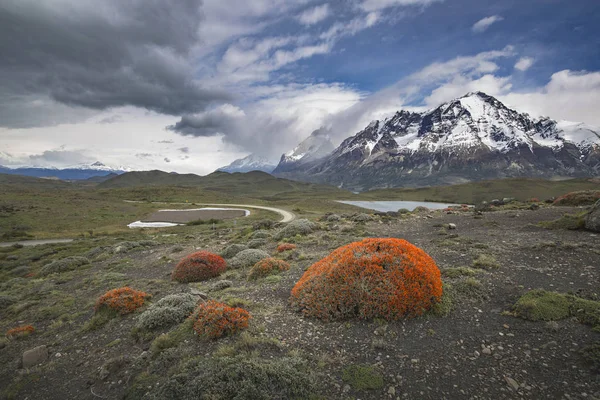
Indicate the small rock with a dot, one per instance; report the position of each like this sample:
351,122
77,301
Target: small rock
476,353
512,383
35,356
451,226
12,257
392,391
346,388
487,351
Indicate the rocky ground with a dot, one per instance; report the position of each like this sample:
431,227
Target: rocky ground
476,347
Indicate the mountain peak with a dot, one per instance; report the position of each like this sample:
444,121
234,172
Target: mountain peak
249,163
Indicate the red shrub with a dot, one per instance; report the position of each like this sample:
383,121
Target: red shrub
266,267
199,266
580,198
214,319
20,331
123,300
285,247
387,278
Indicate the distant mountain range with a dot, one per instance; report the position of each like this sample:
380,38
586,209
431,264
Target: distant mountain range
96,172
249,163
474,137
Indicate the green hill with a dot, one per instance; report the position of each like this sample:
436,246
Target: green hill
475,192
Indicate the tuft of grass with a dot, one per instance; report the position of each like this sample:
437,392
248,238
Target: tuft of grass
458,272
485,261
102,317
362,377
570,222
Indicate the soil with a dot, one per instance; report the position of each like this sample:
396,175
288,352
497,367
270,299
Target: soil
479,351
185,216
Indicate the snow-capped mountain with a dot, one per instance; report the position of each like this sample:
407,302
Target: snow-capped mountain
77,172
249,163
317,146
470,138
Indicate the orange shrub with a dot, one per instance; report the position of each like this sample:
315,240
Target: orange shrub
214,319
285,247
386,278
199,266
266,267
123,300
20,331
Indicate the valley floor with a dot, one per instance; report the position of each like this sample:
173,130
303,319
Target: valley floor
479,350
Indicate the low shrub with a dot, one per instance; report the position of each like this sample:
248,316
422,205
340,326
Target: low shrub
214,320
256,243
268,266
125,247
231,250
247,258
404,211
66,264
333,218
263,224
297,227
260,234
579,198
241,378
123,300
592,355
20,331
386,278
6,301
198,267
168,311
361,217
285,247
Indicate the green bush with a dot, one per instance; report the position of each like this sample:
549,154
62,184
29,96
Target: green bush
256,243
486,261
240,378
232,250
260,234
247,258
66,264
125,247
297,227
168,311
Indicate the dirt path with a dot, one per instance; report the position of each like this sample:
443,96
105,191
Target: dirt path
287,215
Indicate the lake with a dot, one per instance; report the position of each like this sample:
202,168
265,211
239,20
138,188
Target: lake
385,206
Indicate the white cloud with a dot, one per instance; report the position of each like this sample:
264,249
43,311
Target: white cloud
314,15
483,24
524,63
569,95
375,5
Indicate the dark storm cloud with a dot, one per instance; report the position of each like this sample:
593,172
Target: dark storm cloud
60,156
102,54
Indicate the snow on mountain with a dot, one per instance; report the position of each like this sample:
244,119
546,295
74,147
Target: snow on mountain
249,163
312,149
472,137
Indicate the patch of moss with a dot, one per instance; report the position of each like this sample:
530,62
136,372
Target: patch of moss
362,377
541,305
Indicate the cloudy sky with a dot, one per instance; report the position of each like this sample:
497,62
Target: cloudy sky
191,85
